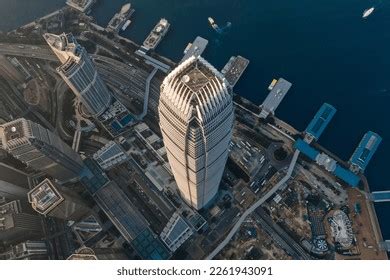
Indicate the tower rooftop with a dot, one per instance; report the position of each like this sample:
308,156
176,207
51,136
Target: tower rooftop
45,197
196,86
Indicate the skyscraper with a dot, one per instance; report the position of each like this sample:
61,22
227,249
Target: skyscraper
28,250
11,192
79,72
48,199
40,149
17,225
196,120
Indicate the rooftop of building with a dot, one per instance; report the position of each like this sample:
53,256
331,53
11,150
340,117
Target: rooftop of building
80,3
62,42
7,211
195,83
121,211
149,247
175,228
45,197
93,177
15,130
83,253
65,47
108,151
11,207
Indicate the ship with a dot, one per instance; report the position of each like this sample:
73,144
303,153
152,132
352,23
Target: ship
156,34
120,19
213,24
368,12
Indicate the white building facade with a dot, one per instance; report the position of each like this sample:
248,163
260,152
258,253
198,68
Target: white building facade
196,119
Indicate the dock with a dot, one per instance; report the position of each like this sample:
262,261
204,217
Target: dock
275,97
195,48
364,152
234,69
120,19
155,36
380,196
83,6
319,122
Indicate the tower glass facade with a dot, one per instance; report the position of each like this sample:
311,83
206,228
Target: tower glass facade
79,72
41,149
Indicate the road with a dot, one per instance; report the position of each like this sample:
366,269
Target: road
40,52
146,95
131,79
254,206
293,248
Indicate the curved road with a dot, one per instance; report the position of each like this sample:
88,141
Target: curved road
258,203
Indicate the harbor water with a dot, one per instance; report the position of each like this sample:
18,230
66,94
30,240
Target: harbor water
323,47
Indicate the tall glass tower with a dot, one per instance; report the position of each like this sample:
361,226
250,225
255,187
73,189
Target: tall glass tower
196,120
40,149
79,72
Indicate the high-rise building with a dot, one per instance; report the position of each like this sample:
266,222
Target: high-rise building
176,232
28,250
12,192
110,155
196,120
17,225
79,72
14,183
41,149
83,253
48,199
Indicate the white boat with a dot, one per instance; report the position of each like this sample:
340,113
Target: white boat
211,20
368,12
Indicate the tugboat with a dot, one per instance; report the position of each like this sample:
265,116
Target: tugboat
212,23
215,26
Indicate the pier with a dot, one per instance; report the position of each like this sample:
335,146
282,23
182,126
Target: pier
275,97
81,5
234,69
364,152
320,121
119,19
195,48
380,196
385,245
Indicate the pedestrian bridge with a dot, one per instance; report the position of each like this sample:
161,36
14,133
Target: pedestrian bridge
381,196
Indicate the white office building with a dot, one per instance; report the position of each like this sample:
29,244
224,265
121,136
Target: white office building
196,120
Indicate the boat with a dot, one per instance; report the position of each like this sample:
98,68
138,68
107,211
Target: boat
368,12
156,34
213,24
127,23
